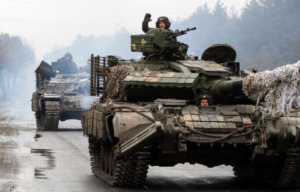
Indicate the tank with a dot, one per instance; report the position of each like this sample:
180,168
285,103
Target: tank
58,96
149,114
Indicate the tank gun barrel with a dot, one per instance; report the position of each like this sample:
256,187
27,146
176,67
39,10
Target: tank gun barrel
227,88
179,33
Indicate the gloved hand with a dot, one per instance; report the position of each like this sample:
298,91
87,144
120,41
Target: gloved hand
147,17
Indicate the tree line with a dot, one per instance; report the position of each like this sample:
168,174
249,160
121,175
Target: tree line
265,35
15,55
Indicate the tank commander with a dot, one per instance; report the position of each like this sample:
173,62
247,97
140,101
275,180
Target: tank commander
162,22
65,65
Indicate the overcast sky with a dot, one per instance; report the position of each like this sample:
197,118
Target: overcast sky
48,24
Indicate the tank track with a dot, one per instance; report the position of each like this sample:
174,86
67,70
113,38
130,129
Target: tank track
52,112
290,175
40,120
129,172
285,174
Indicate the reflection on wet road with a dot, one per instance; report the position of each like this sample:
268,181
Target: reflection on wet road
39,171
33,160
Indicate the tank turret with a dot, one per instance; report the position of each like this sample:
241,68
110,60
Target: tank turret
160,43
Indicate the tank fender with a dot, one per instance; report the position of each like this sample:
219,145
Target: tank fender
124,121
124,136
147,134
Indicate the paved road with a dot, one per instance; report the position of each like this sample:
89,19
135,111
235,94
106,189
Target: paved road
33,161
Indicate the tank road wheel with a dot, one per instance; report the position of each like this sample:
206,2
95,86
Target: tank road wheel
40,120
125,173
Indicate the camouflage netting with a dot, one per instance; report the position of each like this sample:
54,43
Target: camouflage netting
114,82
279,87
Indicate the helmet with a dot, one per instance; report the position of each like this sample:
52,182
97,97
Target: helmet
68,55
165,20
207,97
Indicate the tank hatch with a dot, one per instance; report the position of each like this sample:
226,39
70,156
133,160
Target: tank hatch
219,53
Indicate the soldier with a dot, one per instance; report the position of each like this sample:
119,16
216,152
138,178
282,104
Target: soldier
66,65
162,22
204,100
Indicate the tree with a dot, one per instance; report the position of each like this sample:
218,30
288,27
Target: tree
15,55
4,60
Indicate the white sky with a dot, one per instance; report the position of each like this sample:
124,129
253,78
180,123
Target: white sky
48,24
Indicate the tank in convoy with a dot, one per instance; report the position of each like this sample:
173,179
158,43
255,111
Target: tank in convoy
151,113
61,93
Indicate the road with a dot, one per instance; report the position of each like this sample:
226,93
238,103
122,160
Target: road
32,160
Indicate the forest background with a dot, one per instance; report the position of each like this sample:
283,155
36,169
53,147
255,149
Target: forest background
265,35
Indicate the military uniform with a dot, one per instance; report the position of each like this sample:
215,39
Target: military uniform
66,65
147,19
183,47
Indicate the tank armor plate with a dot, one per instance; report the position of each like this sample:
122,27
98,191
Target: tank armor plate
161,79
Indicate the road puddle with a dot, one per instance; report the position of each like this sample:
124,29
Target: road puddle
39,171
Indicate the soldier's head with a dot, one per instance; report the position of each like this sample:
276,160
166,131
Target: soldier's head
205,100
69,55
163,22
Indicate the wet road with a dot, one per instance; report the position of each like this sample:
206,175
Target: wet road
33,160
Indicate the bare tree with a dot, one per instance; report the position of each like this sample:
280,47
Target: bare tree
15,55
4,60
23,56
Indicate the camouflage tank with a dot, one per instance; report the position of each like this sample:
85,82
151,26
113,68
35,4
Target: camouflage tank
58,96
149,113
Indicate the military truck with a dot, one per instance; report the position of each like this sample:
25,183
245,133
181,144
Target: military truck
58,96
150,114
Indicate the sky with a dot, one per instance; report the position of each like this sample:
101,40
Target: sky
50,24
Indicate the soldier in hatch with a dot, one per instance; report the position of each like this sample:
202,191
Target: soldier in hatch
205,100
65,65
162,22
